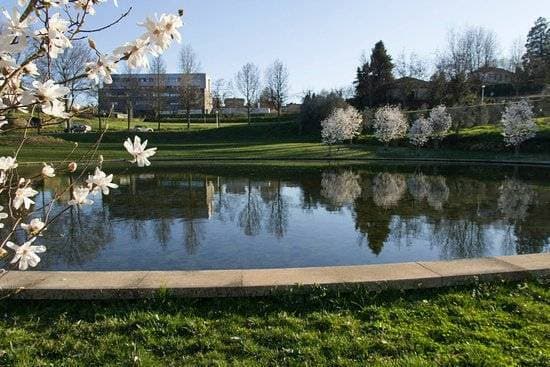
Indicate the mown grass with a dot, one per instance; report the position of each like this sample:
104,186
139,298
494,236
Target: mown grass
493,325
278,141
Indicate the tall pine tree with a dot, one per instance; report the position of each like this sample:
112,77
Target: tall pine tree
536,60
373,78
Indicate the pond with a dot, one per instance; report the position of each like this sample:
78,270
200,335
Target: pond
182,218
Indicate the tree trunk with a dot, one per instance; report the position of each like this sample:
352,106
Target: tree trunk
188,119
248,113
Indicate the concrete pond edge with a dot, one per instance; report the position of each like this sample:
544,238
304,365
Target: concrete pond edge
89,285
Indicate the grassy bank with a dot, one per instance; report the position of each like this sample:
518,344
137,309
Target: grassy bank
503,324
278,141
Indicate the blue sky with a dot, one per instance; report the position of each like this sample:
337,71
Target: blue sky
319,40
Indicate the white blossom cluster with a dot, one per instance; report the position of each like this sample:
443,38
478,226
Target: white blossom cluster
440,121
390,123
420,132
44,29
21,198
518,123
342,124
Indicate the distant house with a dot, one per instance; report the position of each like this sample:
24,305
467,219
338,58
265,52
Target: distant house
409,90
292,108
492,76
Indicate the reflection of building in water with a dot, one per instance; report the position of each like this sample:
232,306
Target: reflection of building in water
158,196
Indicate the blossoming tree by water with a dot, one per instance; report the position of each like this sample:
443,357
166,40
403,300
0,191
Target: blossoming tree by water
420,132
42,30
342,124
390,123
518,123
440,121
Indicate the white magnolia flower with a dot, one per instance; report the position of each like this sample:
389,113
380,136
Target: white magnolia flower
101,181
138,151
80,196
7,163
135,53
22,197
34,227
86,5
26,254
48,94
15,27
2,216
48,171
31,69
102,69
55,34
161,32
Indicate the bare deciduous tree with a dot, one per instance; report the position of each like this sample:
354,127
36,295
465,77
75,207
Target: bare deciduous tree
66,67
411,66
469,49
221,89
248,83
132,92
157,68
189,93
277,82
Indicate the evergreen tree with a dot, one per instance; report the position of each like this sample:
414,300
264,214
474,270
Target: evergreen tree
536,60
374,78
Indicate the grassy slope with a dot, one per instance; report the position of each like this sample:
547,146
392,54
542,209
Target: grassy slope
277,141
483,325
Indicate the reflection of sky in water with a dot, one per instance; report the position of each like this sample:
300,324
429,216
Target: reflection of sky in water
342,217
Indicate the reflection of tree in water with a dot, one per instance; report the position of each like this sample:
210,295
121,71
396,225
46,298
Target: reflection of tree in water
251,215
417,185
371,221
278,215
85,232
340,188
514,200
517,204
463,238
388,189
438,192
163,230
193,235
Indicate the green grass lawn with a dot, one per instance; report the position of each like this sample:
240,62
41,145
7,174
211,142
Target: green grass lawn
275,141
503,324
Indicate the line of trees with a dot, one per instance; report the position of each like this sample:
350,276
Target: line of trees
456,79
390,123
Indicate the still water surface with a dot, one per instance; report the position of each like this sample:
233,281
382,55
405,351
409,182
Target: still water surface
226,218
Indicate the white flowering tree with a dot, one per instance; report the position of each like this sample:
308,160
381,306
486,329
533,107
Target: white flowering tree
341,125
39,31
390,123
440,121
420,132
518,124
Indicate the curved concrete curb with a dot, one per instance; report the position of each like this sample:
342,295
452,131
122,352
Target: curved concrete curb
256,282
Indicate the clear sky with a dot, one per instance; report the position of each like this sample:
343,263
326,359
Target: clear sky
319,40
